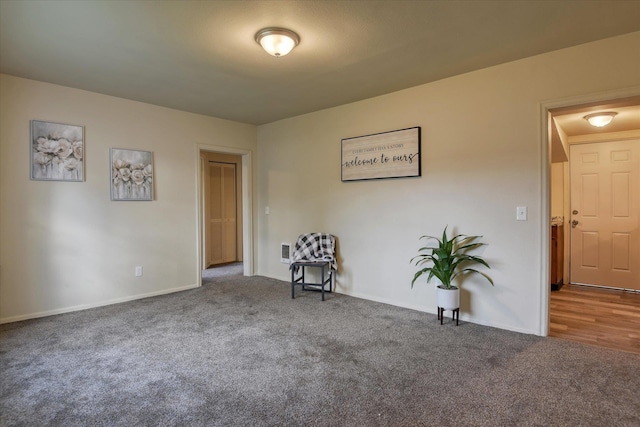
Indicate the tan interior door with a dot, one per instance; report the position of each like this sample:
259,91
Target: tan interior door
605,217
222,213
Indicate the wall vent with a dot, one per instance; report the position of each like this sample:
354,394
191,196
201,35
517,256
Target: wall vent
285,253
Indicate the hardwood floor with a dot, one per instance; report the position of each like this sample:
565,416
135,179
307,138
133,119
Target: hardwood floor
603,317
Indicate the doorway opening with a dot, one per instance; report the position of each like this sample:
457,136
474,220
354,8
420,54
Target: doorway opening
222,273
570,203
224,228
222,199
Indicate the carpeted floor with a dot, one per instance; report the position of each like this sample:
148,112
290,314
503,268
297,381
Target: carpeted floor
239,351
223,270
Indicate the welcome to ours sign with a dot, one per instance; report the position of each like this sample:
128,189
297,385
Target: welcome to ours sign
394,154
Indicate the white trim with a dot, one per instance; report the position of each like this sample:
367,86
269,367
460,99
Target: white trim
545,193
463,316
545,220
415,307
100,304
247,205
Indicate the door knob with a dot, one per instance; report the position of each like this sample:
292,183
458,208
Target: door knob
574,223
575,212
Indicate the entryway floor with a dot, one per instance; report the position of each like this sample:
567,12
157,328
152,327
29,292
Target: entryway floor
603,317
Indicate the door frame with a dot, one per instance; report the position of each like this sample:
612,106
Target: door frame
237,167
247,206
545,164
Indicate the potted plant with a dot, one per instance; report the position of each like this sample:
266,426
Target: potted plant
446,259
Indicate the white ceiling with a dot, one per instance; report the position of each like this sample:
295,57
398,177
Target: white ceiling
573,123
201,56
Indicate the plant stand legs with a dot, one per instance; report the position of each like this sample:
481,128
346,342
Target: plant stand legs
454,316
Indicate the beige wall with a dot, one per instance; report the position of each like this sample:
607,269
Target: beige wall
482,156
557,188
65,245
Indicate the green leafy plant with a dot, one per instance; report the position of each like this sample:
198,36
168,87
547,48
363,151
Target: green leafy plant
449,258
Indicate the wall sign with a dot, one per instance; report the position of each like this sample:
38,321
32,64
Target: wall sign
394,154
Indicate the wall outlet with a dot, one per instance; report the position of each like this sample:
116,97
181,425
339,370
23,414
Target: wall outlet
139,271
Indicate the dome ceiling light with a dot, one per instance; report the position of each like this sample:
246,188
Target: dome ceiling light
600,119
277,41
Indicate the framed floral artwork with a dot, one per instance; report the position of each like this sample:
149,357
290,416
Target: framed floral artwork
57,152
131,174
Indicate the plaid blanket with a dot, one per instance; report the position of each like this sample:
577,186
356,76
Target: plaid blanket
316,247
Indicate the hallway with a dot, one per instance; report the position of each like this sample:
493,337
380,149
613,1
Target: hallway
598,316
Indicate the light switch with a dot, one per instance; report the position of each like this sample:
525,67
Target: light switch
266,210
521,213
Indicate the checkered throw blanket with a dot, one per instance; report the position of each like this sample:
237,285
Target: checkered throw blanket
316,247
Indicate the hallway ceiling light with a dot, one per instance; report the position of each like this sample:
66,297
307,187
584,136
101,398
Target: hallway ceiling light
277,41
600,119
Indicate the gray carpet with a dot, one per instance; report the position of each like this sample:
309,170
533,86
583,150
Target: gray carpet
230,269
240,352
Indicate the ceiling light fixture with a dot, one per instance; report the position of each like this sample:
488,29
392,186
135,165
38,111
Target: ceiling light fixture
600,119
277,41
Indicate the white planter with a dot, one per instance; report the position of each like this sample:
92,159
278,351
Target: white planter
449,299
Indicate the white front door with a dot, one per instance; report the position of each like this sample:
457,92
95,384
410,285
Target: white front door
605,214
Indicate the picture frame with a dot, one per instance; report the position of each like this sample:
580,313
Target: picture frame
393,154
131,175
56,151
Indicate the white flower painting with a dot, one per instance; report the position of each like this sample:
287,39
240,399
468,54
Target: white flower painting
57,152
131,174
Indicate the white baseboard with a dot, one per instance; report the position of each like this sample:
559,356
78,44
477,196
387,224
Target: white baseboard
463,316
94,305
